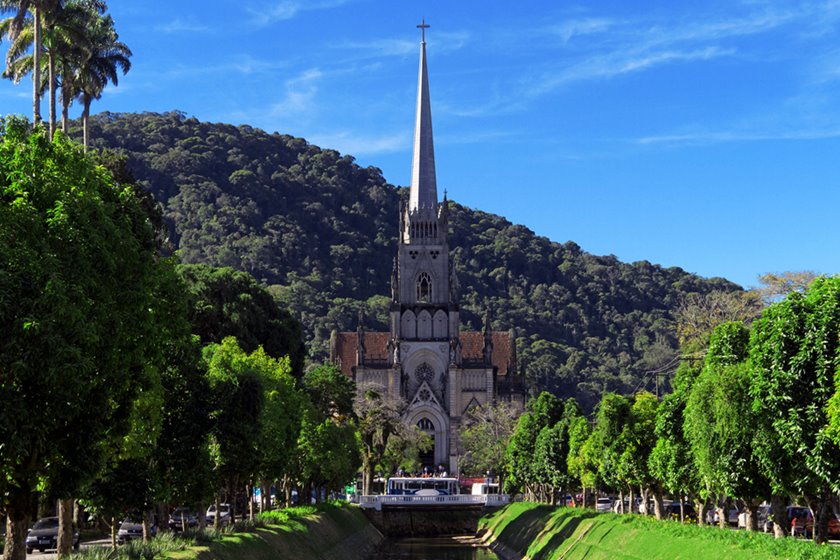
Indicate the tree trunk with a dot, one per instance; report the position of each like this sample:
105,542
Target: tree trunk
821,508
645,493
657,505
249,488
85,118
682,510
162,517
36,67
621,501
751,515
632,501
77,514
65,111
202,516
722,515
702,509
114,533
781,523
51,61
367,479
216,521
147,527
65,528
17,519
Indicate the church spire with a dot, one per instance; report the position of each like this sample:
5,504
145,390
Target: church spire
423,183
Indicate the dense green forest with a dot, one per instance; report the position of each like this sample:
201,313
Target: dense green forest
320,232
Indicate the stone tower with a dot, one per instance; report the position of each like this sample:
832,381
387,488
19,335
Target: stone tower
424,359
424,314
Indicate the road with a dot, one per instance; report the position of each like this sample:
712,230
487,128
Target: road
50,554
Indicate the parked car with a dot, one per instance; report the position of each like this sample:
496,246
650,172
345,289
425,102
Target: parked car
182,517
224,514
603,504
763,512
44,535
672,511
131,529
713,516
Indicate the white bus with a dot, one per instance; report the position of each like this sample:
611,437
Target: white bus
411,486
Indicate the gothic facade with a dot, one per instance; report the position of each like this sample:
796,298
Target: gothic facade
425,359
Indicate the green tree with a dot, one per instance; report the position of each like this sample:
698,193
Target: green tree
543,411
330,391
280,420
638,439
485,434
582,463
225,302
238,402
13,29
720,423
671,466
330,452
551,454
87,309
379,418
106,56
794,351
606,440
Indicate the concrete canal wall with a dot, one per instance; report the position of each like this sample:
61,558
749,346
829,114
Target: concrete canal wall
428,521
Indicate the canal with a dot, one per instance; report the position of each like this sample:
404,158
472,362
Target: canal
440,548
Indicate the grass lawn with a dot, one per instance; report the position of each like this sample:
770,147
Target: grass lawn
543,532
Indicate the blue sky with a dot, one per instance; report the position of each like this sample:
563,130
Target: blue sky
697,134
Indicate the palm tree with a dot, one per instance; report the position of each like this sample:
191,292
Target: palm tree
37,8
65,38
106,55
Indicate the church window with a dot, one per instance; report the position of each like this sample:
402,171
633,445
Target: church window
424,372
424,288
426,425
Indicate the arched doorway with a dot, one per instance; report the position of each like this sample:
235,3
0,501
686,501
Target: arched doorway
427,457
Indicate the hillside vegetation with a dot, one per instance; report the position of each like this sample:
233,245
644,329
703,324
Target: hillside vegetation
320,231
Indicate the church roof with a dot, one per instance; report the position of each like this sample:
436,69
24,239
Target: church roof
343,350
423,192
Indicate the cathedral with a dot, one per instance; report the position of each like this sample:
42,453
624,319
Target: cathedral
425,359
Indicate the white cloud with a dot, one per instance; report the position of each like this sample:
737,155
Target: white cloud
350,143
721,136
569,29
180,26
444,42
299,97
283,10
618,63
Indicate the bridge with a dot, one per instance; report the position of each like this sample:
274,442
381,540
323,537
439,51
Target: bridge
446,500
429,516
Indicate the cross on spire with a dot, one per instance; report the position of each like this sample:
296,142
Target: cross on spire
423,27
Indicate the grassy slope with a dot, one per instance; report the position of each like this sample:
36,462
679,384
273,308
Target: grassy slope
338,532
542,532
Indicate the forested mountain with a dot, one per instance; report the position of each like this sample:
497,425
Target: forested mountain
320,231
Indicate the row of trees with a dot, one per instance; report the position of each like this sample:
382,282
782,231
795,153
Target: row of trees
129,380
69,46
756,419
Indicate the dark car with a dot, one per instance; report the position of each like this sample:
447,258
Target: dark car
130,530
44,535
182,517
672,511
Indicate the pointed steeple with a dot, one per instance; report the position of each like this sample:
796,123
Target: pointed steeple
423,183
